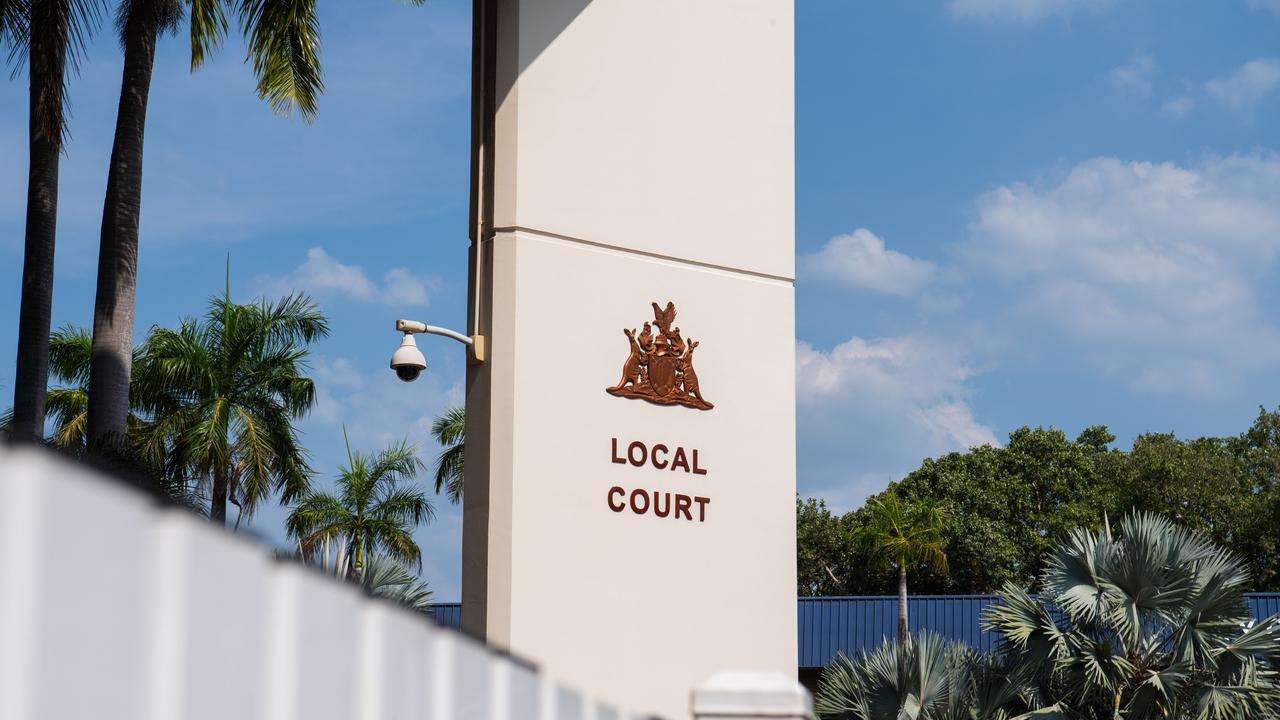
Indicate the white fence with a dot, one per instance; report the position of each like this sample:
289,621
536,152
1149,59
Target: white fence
114,608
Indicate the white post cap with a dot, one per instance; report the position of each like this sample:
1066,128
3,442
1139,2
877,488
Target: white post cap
737,695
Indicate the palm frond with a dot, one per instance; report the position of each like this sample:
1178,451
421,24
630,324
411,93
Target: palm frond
450,430
395,539
405,505
69,410
284,46
1027,628
208,27
383,577
50,37
922,679
70,348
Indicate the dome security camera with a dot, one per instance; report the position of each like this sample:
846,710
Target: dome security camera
408,361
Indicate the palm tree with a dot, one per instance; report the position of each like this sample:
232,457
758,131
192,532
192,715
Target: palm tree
238,377
1150,624
903,535
144,452
51,34
372,512
450,430
283,40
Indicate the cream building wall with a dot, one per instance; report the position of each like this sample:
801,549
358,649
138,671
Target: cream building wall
641,151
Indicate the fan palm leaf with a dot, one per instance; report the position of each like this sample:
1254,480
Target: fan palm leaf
1152,624
385,578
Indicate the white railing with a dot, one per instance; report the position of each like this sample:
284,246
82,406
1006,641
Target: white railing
114,608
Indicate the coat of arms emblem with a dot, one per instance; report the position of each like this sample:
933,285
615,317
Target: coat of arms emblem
660,367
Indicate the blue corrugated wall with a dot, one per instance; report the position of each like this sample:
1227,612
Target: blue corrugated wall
828,625
448,614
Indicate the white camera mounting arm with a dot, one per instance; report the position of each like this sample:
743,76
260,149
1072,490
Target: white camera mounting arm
474,343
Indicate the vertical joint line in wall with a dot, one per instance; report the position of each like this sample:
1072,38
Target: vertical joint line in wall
482,93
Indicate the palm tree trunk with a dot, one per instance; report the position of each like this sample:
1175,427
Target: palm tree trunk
113,310
902,604
218,498
48,53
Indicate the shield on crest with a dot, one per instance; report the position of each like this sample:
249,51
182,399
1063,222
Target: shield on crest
662,374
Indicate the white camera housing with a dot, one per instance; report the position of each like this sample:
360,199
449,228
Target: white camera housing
408,361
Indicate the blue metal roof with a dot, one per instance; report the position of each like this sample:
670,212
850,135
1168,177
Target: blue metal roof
828,625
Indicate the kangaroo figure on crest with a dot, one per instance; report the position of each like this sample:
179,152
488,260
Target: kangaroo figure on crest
631,368
691,377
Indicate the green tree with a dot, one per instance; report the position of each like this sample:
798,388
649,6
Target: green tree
983,538
373,511
238,376
1151,623
1008,505
51,36
450,430
1197,483
903,535
825,550
283,40
1257,454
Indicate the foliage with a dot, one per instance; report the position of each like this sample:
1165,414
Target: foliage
50,37
238,376
824,546
1151,623
373,511
1009,505
385,578
925,678
450,430
144,452
901,535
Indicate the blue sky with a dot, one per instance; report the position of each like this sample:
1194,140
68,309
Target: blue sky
1045,212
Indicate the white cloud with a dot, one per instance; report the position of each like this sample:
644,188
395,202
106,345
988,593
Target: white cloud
1177,106
860,260
322,276
1020,10
1153,272
374,406
1246,86
888,402
1134,77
